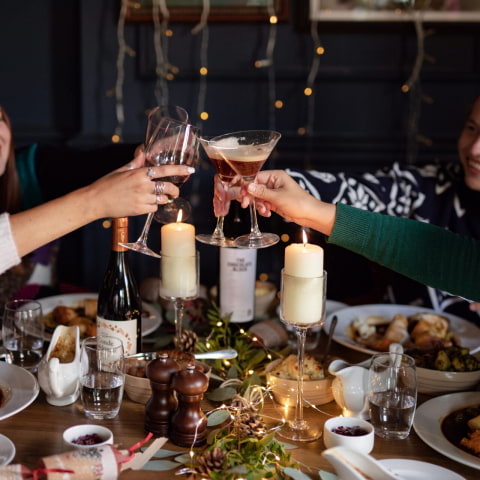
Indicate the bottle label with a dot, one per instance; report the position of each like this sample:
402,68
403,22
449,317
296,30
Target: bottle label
125,330
238,268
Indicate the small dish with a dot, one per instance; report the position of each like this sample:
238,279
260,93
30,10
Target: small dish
84,433
361,443
7,450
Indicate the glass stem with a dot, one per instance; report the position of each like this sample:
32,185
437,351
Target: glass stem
146,228
178,311
218,232
301,337
254,230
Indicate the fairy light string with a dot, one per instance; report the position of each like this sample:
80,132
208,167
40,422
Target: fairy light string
161,33
202,27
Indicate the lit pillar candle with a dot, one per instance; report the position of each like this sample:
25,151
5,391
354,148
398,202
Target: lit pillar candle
303,284
178,261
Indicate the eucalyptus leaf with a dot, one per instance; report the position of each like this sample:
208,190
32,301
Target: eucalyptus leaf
184,458
296,474
221,394
238,469
232,372
217,417
327,475
162,452
160,465
255,380
256,359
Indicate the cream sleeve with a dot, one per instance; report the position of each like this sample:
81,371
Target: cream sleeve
8,250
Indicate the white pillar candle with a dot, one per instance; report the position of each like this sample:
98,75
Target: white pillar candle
178,261
303,284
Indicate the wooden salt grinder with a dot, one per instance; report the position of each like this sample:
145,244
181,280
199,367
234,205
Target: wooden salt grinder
188,425
162,403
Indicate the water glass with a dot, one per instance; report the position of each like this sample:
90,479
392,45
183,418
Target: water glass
102,376
392,394
23,332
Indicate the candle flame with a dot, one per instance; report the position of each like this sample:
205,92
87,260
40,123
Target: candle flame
179,215
304,236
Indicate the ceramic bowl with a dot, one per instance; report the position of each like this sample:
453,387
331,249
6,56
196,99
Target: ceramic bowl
77,431
137,385
435,382
361,443
315,392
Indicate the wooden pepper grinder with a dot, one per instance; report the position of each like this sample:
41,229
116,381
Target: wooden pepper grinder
188,425
162,403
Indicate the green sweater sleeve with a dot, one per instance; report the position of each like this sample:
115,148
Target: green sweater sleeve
421,251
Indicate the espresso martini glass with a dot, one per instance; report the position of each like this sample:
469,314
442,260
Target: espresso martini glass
246,152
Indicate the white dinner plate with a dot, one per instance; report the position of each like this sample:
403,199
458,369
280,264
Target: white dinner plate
20,387
150,322
7,450
415,470
467,333
428,424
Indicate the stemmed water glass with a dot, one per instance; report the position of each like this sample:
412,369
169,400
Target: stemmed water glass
169,142
246,152
226,174
302,306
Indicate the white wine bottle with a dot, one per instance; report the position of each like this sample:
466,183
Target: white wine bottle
238,268
119,304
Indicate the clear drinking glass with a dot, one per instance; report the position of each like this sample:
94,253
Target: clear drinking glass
171,142
226,174
23,332
102,376
392,394
302,306
179,282
246,152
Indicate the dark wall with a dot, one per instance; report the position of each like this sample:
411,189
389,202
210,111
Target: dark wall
58,64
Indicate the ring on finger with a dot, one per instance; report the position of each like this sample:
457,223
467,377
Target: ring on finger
159,199
159,188
150,172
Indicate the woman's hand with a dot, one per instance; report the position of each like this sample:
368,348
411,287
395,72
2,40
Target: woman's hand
130,190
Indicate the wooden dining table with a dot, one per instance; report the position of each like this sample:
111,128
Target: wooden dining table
37,432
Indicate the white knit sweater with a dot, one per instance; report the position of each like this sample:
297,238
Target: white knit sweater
8,250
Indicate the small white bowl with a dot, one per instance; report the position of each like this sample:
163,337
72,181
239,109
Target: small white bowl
77,431
360,443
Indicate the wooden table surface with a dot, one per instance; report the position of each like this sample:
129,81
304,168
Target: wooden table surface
37,432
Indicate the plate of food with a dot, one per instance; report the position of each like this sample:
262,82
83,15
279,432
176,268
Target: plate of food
18,389
372,328
450,424
81,309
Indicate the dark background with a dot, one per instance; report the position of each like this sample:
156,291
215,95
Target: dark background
57,63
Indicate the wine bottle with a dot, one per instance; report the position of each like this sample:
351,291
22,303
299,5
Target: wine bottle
119,304
238,268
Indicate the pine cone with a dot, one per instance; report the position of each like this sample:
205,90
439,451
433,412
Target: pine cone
187,341
211,461
251,425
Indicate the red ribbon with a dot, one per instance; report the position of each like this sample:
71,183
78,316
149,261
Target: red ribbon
137,445
37,471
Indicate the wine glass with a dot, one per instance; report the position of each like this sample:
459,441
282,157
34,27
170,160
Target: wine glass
179,282
226,175
302,306
179,148
246,152
168,139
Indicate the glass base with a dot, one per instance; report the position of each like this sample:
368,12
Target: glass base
140,248
212,240
300,432
169,212
261,241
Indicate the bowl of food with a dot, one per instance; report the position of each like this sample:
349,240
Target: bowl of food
444,370
282,378
87,436
137,385
350,432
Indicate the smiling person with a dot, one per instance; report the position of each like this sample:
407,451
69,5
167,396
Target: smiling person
446,195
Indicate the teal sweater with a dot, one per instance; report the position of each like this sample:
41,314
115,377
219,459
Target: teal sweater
421,251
